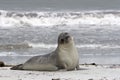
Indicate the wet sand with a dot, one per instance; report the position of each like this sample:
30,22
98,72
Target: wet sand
87,72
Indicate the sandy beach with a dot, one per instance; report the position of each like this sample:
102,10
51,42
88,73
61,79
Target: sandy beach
87,72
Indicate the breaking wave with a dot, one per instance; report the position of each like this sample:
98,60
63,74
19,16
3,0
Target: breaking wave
48,46
15,54
14,46
91,46
17,19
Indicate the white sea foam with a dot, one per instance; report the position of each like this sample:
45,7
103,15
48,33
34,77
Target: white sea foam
17,19
14,46
15,54
48,46
8,54
94,46
42,45
91,46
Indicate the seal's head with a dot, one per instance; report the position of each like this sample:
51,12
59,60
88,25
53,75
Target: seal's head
65,38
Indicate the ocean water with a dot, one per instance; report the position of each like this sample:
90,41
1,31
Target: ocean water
29,28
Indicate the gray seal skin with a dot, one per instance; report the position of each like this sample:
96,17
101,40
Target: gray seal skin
64,57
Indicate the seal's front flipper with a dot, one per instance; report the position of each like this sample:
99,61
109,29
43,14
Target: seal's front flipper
51,68
17,67
77,67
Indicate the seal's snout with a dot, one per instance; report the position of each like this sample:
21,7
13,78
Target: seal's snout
64,38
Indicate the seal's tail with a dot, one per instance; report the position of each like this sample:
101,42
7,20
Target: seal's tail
17,67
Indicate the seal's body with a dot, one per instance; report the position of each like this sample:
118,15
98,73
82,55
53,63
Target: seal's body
64,57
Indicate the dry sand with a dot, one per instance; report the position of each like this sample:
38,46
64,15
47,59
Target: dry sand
87,72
